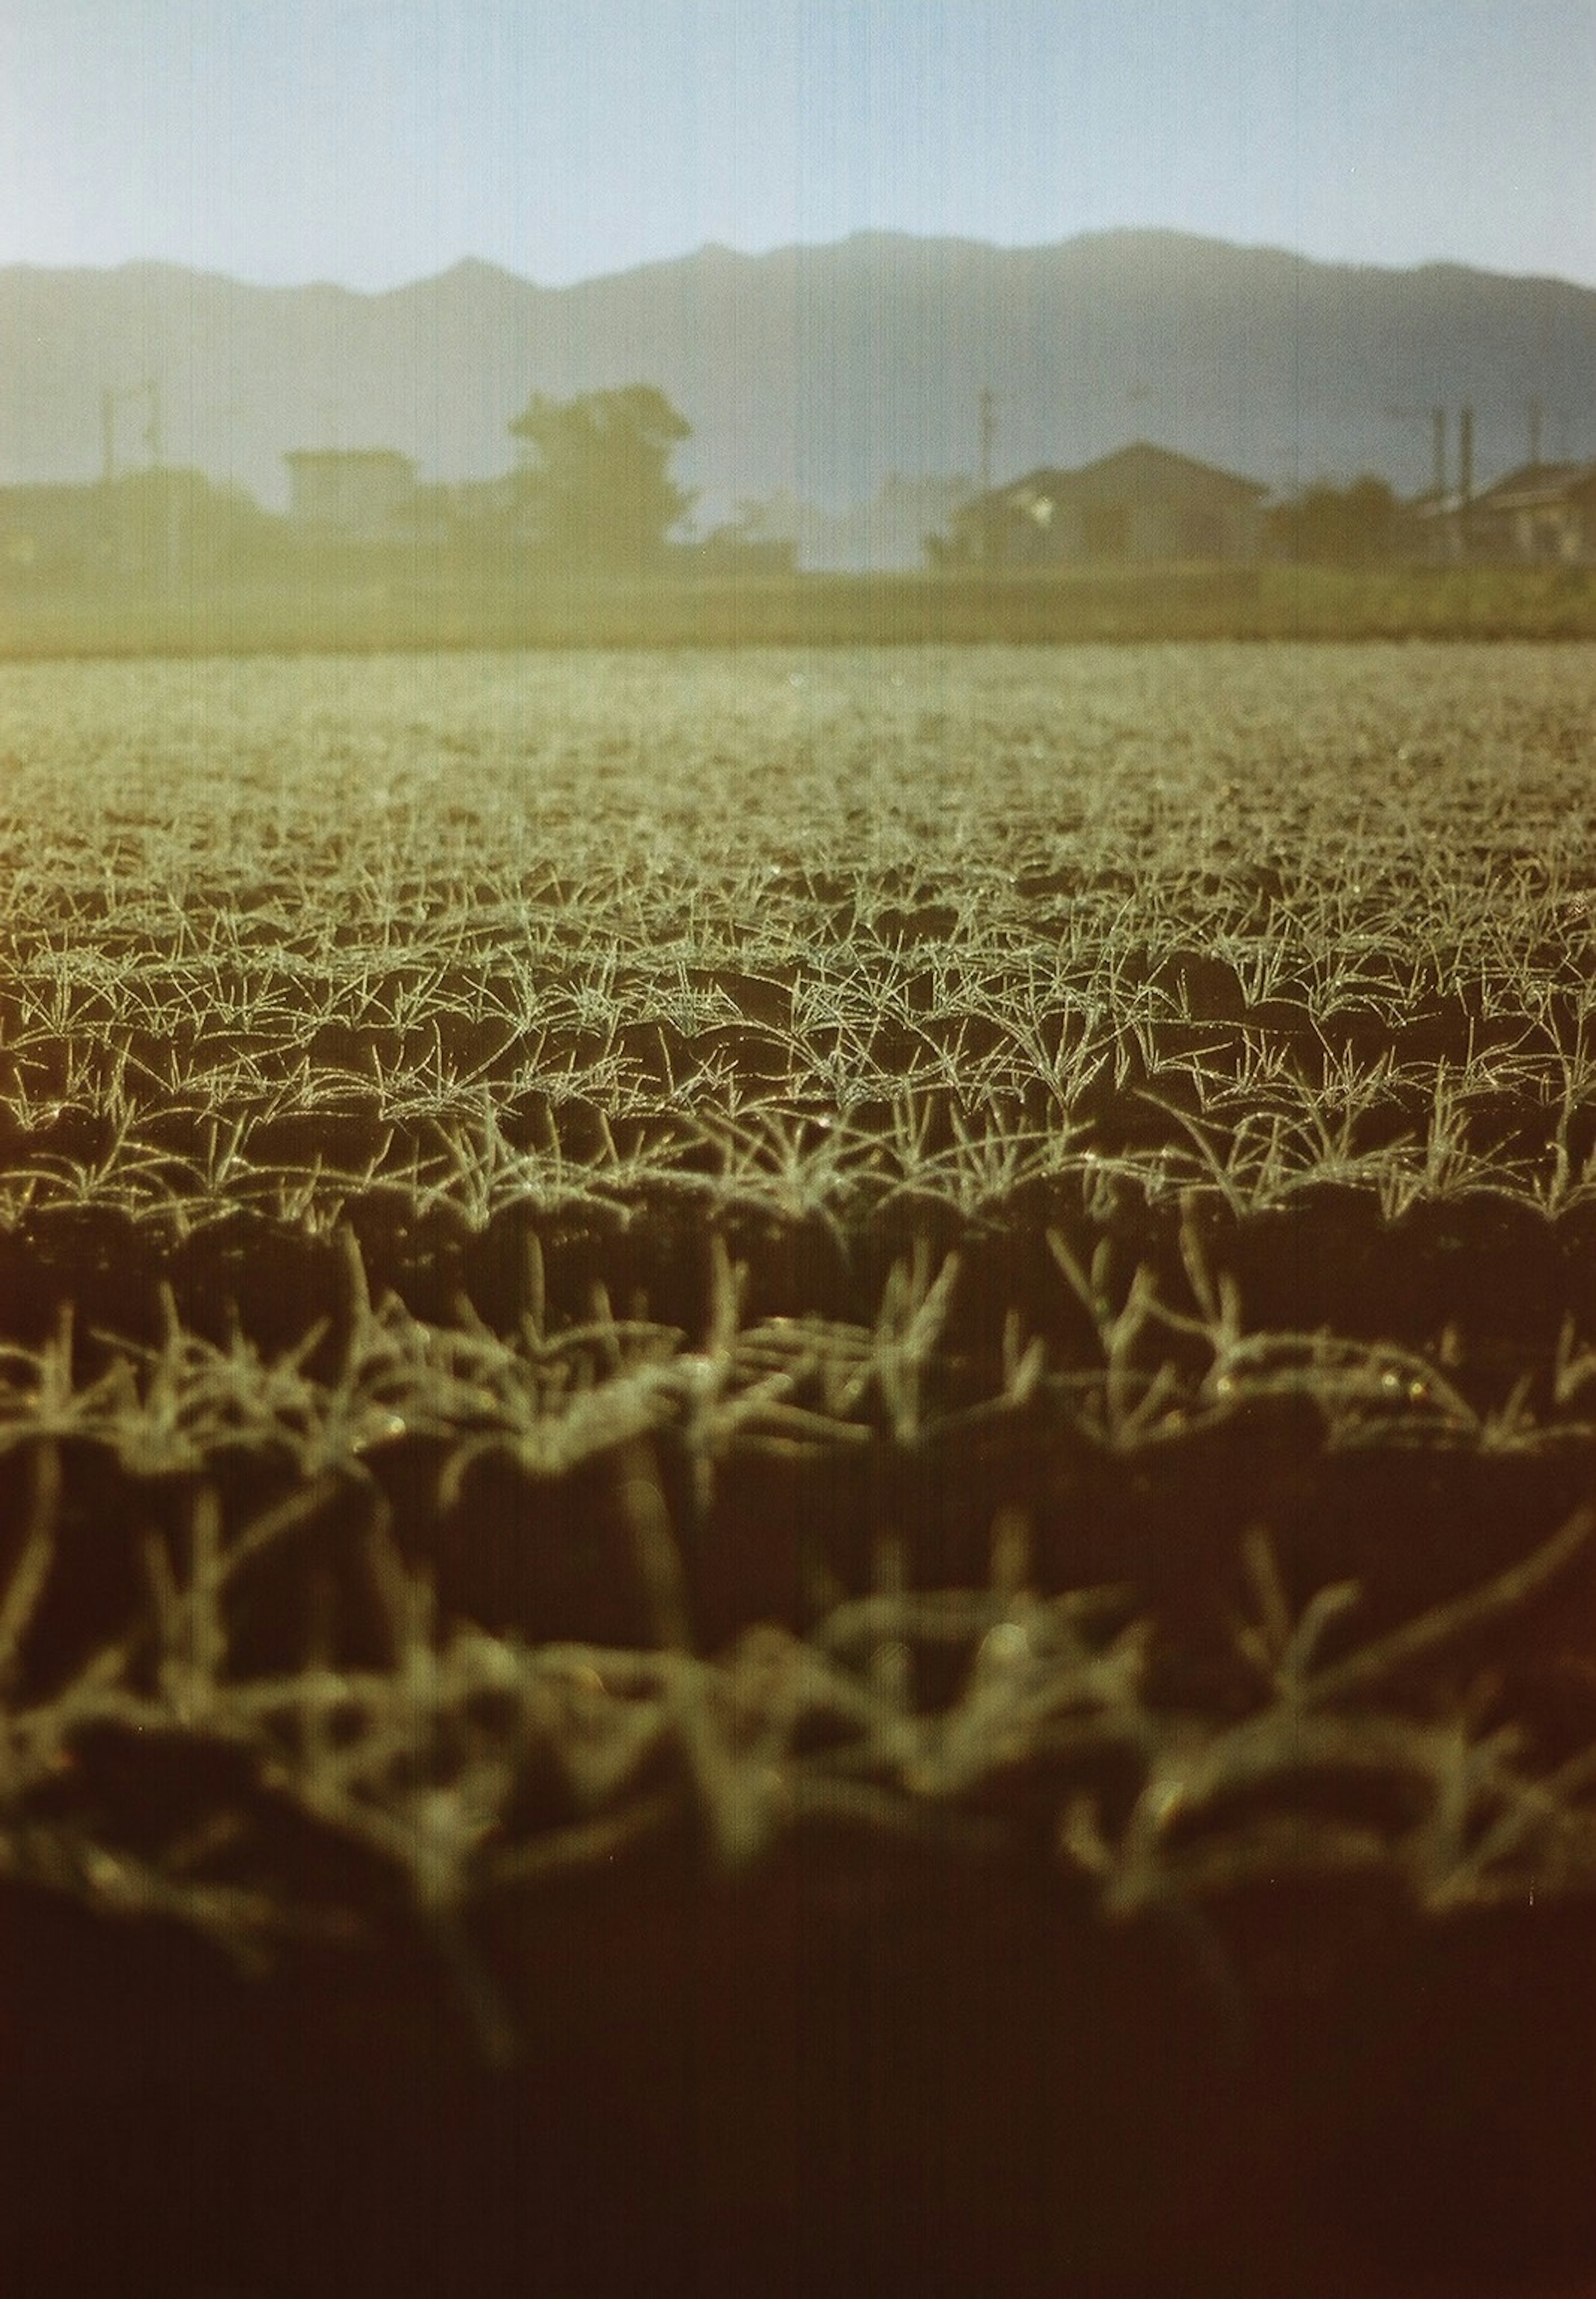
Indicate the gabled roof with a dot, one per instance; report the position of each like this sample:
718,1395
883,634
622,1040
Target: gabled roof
1535,485
1138,470
1143,467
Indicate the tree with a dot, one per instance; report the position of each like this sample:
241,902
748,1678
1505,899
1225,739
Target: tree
1337,526
595,479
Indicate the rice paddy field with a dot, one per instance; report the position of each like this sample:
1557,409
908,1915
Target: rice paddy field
797,1458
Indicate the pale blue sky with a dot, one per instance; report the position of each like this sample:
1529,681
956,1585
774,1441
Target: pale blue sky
376,141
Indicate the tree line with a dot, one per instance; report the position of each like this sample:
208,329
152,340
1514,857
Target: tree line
594,489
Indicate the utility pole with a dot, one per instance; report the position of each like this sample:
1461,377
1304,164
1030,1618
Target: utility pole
1536,417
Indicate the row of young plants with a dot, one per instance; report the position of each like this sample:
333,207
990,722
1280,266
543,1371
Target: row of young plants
548,1151
485,1605
1120,1366
1279,921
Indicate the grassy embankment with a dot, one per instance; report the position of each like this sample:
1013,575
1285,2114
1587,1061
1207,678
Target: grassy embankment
404,611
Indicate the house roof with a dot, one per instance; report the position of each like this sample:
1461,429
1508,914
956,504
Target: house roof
1143,468
1139,472
1533,485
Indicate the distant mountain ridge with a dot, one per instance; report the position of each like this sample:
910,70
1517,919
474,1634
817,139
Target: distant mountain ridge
818,372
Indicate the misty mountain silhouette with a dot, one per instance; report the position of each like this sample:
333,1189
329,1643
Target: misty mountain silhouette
819,370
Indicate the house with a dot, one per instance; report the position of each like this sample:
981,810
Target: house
54,531
734,550
1541,514
468,516
156,525
1142,503
360,494
1542,511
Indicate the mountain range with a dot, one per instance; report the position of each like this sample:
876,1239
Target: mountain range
816,374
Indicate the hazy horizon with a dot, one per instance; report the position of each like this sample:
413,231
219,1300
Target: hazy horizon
371,144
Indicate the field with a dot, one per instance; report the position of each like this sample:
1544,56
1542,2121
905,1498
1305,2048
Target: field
401,601
796,1469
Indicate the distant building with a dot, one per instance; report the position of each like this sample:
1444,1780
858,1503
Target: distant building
1142,503
49,530
736,550
1544,511
157,524
1541,514
480,516
886,532
362,495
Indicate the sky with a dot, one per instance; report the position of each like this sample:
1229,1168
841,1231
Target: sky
374,142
